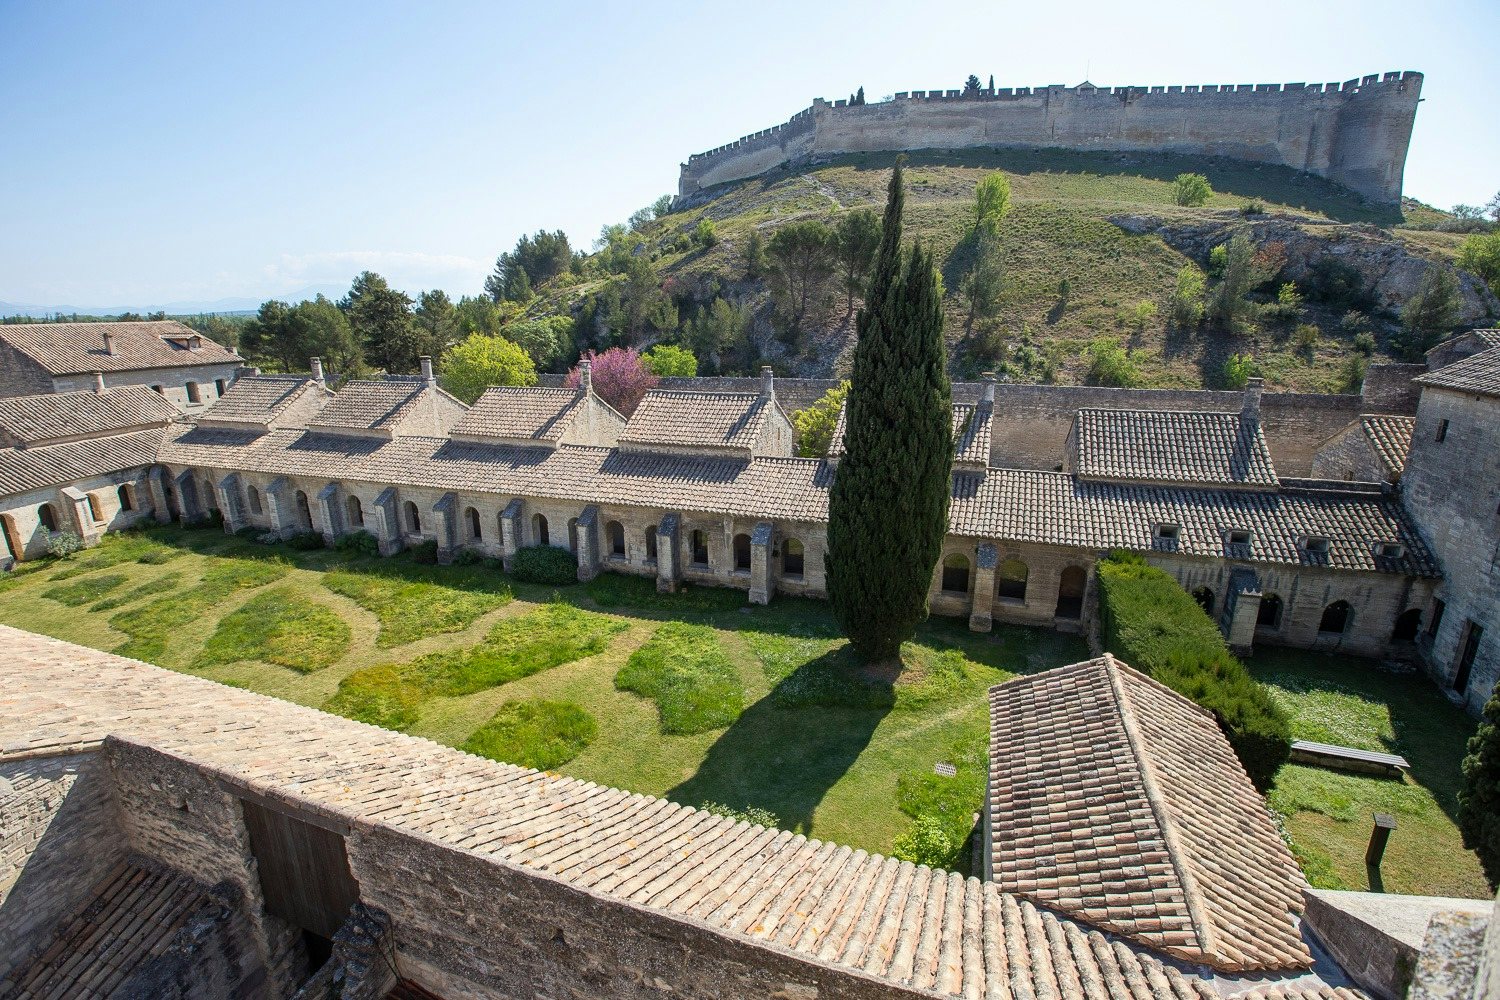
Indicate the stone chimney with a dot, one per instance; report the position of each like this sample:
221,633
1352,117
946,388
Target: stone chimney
316,364
767,382
99,383
1251,408
586,374
109,343
427,375
987,395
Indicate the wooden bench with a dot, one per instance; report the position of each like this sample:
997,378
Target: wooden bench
1348,758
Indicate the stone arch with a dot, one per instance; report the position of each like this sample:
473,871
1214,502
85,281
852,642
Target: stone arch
539,530
252,499
13,540
1407,624
126,496
699,548
413,517
956,573
1205,598
793,557
1336,618
1070,590
208,496
573,535
614,533
471,519
303,512
1269,615
651,543
1010,580
742,557
46,516
355,512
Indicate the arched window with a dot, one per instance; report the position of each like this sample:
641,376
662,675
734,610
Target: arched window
792,557
956,574
1205,598
413,518
1335,620
573,535
194,394
95,512
475,532
47,517
700,549
1070,589
742,552
539,530
126,494
210,497
1010,582
252,497
304,512
356,512
219,386
651,544
615,531
1407,624
1269,615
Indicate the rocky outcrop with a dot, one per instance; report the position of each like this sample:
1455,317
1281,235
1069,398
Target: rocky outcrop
1392,268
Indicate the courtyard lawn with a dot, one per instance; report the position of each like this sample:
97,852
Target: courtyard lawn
1328,814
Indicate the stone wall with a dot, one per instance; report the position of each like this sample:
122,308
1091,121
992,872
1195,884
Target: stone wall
20,513
1355,133
173,382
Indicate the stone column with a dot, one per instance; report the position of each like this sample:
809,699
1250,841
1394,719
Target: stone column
588,543
156,482
762,579
667,573
279,504
511,527
228,490
445,526
386,520
325,511
982,598
185,489
1241,609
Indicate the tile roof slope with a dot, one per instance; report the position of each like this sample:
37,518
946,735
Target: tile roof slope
369,404
78,348
1478,374
697,419
256,399
928,930
513,411
1119,802
23,469
836,444
1390,437
971,433
67,414
1208,449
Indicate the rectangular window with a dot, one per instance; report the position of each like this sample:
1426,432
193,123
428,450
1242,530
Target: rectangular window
1167,532
1239,537
1438,607
1442,431
1316,545
1468,652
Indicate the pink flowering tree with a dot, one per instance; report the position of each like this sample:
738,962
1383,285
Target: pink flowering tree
620,378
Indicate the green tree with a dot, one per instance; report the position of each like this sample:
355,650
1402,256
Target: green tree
972,86
273,335
755,255
1238,370
482,314
704,234
802,262
991,200
326,333
888,509
548,341
1480,256
1191,190
815,424
1228,303
644,305
983,282
669,360
382,320
856,238
1111,365
478,362
1479,798
1187,298
661,207
717,331
437,318
1431,312
535,260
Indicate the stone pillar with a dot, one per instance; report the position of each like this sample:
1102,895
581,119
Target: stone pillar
588,543
1241,609
325,511
156,482
230,504
762,579
279,504
445,526
667,573
385,518
185,489
80,518
982,598
511,526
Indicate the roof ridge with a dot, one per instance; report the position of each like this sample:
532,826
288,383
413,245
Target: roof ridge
1207,943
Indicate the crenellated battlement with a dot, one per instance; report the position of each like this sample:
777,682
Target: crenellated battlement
1353,132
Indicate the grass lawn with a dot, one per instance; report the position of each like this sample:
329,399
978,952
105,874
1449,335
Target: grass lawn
1348,702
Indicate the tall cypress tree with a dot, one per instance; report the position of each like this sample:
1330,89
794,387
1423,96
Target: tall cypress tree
888,510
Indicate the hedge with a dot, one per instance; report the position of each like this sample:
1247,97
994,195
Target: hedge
1154,625
545,564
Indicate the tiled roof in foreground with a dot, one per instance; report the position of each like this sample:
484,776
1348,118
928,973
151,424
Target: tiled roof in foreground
521,412
1160,446
1390,437
927,930
257,399
49,416
670,418
24,469
1478,374
78,348
1117,801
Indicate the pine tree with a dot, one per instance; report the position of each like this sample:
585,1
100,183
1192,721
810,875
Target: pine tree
1479,798
992,83
888,509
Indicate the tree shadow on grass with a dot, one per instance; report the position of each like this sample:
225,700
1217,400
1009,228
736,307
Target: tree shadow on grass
785,760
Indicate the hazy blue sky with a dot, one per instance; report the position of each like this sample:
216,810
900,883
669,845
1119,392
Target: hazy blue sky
167,151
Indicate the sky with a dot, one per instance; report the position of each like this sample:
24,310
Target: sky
166,152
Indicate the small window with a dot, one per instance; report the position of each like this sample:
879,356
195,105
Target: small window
1442,431
700,549
1390,550
356,512
413,518
616,532
1335,620
1316,545
1269,615
194,394
1239,536
158,390
742,553
127,497
253,495
792,558
471,520
1167,532
94,511
1438,607
219,386
956,574
651,544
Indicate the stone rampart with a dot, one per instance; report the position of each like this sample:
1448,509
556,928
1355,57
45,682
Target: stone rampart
1354,133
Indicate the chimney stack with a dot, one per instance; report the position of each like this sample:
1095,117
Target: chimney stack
427,371
767,382
987,396
1251,408
99,383
109,343
586,374
316,364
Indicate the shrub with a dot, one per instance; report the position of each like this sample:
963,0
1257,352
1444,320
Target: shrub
1305,339
425,553
1432,311
704,234
359,543
1479,798
685,671
1136,317
305,541
468,557
1191,190
1480,256
1150,622
1354,322
1187,300
535,733
61,544
1364,343
668,360
1110,364
1252,208
1340,285
815,424
926,843
545,564
1238,370
1217,258
1288,304
750,814
1352,373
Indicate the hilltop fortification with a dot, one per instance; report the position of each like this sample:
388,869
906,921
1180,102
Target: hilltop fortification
1354,133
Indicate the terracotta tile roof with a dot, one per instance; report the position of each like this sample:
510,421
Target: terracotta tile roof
258,399
78,348
1205,449
23,469
670,418
932,932
514,413
971,434
49,416
836,444
376,404
1119,802
1478,374
1390,437
1025,506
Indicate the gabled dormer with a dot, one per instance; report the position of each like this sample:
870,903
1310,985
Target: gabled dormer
396,406
739,425
258,404
541,417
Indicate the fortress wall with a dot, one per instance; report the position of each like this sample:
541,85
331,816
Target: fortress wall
1355,133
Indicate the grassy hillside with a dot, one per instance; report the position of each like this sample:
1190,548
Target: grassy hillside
1058,229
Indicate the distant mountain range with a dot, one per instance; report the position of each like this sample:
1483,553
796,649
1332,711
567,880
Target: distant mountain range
190,307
